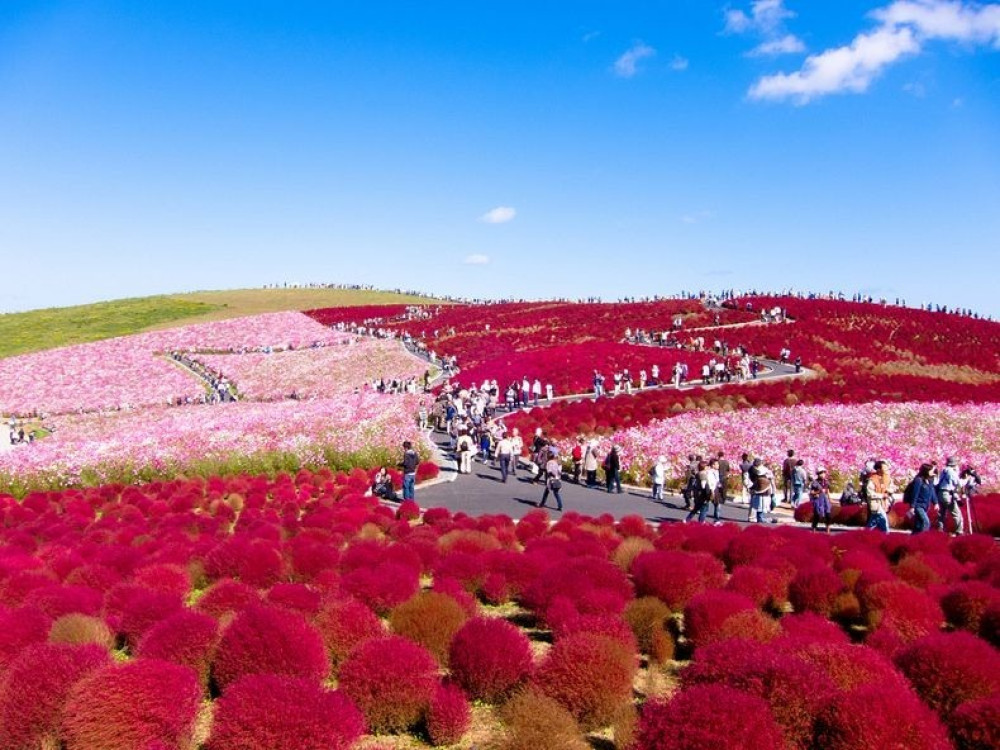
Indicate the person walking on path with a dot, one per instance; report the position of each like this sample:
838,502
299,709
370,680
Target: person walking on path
465,450
880,492
409,467
819,493
723,466
505,451
553,482
577,456
921,495
612,470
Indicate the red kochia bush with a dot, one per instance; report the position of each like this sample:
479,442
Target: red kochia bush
489,657
815,590
384,586
392,681
741,722
810,626
34,691
947,669
20,628
975,725
675,577
706,612
449,715
133,705
589,675
873,716
131,610
262,711
269,640
344,624
188,638
964,604
226,596
794,689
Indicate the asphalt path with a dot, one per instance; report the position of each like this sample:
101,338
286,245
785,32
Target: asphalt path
481,492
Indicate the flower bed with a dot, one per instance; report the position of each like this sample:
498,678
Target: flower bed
325,372
206,597
130,371
841,438
363,429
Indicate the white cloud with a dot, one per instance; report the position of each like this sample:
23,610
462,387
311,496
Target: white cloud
850,68
904,27
498,215
697,218
476,259
679,63
766,17
626,66
590,36
945,19
789,44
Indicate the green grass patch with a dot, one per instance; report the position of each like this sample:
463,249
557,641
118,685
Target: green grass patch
35,330
60,326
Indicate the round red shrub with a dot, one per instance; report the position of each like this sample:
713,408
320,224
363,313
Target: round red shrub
262,711
908,611
947,669
489,658
343,624
20,628
34,691
295,596
975,725
972,548
227,596
675,577
392,681
449,715
269,640
743,722
964,604
706,612
256,562
849,666
131,610
794,689
56,601
164,577
132,705
767,588
872,716
589,675
384,586
188,638
810,626
815,590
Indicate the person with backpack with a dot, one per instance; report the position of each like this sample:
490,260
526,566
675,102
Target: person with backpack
948,485
464,446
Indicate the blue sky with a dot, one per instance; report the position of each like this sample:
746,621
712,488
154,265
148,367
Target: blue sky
504,149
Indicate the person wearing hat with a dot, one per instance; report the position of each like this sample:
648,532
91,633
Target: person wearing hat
948,484
819,493
761,490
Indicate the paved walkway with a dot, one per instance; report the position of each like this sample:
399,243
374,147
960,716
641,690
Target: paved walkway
483,493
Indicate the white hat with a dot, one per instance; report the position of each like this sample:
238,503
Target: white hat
661,460
821,470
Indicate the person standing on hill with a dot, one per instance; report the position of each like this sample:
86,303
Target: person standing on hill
787,469
819,493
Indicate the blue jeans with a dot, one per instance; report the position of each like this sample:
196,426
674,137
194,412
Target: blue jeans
504,466
921,522
409,481
879,521
760,504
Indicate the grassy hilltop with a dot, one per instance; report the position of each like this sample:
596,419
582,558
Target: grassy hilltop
59,326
